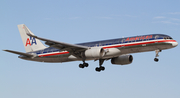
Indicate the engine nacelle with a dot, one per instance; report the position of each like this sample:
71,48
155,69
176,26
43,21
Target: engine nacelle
122,60
95,52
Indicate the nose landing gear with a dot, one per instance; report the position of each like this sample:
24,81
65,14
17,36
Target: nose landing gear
157,55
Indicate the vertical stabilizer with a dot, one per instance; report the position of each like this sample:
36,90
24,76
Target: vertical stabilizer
30,43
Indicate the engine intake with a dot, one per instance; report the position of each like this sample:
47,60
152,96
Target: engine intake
95,52
122,60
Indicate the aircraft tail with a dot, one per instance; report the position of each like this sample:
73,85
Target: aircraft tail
30,43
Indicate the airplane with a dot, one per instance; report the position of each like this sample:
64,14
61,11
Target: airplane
117,50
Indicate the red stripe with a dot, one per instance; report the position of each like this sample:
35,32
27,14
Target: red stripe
133,44
53,54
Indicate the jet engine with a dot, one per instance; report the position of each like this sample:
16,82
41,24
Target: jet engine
95,52
122,60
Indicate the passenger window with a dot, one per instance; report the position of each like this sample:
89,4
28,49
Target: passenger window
122,41
38,52
44,51
55,50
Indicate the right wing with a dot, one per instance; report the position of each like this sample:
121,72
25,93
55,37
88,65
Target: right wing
61,45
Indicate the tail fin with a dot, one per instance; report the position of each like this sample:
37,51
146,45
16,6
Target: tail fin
30,43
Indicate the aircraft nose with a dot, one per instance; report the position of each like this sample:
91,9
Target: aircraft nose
174,44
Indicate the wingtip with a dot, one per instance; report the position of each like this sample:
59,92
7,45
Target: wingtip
7,50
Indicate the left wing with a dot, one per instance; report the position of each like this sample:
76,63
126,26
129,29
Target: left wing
20,53
61,45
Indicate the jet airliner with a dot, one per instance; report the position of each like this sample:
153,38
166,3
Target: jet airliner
117,50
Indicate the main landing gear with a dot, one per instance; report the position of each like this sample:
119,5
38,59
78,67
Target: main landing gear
100,68
83,65
157,55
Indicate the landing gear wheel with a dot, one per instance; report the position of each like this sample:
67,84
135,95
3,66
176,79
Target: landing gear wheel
81,66
102,68
156,59
98,69
85,64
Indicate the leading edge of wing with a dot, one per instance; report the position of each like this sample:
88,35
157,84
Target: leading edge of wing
19,53
57,44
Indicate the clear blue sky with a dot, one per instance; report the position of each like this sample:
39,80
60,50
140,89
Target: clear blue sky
75,21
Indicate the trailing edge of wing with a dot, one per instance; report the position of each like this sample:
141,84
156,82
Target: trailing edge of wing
60,45
20,53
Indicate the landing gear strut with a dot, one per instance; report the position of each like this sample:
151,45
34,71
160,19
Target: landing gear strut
157,55
100,68
84,63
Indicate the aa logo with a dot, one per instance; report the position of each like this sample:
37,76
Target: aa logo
31,41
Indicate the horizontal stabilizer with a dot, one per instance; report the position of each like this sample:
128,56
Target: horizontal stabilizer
20,53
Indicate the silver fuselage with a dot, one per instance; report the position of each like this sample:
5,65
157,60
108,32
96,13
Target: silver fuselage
124,46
